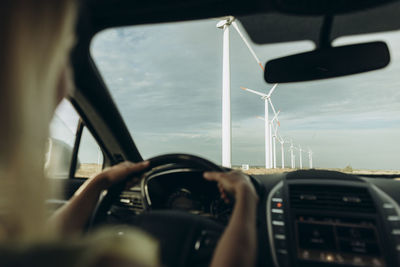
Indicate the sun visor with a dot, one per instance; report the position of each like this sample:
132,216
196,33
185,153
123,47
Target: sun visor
277,28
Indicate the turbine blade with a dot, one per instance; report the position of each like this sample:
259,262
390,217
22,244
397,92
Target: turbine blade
253,91
234,24
275,117
272,106
261,118
272,90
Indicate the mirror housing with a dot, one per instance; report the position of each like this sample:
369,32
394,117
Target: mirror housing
328,63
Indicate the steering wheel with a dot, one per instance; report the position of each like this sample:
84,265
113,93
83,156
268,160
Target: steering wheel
185,239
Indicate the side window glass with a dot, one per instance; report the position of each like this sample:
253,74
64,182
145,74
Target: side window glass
63,128
90,157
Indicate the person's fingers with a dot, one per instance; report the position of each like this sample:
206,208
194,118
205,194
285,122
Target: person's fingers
124,169
214,176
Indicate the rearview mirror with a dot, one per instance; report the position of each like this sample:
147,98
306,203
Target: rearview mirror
324,7
328,63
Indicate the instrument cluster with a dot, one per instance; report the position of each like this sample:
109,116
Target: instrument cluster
186,190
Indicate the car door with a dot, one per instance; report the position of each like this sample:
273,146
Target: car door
73,154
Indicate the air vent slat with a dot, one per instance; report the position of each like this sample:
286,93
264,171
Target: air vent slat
132,200
333,198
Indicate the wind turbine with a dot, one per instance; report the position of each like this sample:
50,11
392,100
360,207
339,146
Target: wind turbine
226,94
301,157
273,134
282,142
310,162
226,87
268,142
292,161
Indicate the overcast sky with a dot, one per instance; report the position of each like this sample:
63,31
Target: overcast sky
166,80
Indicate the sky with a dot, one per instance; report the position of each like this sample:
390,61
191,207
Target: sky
166,80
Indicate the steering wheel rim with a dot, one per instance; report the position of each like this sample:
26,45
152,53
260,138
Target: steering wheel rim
188,160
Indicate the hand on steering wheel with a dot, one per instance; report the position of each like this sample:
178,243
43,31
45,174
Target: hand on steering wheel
119,173
231,183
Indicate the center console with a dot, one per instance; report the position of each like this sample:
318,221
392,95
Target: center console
313,223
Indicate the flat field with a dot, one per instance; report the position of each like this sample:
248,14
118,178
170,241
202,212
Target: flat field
260,170
88,169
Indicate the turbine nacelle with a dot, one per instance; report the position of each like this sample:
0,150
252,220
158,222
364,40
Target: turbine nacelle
225,21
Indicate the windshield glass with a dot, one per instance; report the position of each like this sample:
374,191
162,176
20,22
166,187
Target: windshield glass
166,80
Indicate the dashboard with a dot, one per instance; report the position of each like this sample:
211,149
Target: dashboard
186,190
305,218
182,190
339,221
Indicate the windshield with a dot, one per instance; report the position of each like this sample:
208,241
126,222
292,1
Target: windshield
166,80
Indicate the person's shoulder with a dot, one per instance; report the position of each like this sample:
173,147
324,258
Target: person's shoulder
41,254
108,246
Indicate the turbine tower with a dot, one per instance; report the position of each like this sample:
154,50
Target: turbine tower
310,162
282,142
268,128
226,94
301,157
273,134
224,24
292,161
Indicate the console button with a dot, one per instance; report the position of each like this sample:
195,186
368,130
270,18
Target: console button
278,223
396,231
393,218
387,205
280,237
282,251
277,205
278,211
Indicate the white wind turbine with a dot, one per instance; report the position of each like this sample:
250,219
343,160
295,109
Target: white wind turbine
273,134
292,159
301,157
268,130
282,142
226,95
226,87
310,161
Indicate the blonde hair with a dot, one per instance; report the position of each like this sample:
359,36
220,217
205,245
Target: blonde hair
36,36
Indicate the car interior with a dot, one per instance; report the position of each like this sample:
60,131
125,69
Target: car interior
311,217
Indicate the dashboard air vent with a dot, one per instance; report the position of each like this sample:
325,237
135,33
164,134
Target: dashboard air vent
331,198
133,200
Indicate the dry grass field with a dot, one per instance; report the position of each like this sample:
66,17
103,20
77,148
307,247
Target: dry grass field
87,170
260,170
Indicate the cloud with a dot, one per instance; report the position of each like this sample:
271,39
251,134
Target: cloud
166,81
